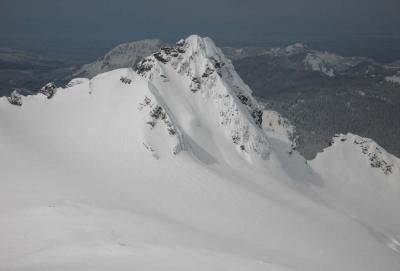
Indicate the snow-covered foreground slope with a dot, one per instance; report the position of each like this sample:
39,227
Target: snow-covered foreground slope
168,169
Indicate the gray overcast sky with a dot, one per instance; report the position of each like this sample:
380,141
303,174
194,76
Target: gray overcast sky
232,20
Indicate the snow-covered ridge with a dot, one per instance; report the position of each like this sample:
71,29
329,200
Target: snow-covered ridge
48,90
369,151
118,84
378,157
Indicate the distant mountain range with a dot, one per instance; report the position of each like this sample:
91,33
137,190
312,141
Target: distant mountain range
323,93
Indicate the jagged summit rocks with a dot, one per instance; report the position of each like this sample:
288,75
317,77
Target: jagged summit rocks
15,98
49,90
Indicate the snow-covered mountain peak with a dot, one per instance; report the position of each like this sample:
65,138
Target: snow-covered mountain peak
299,45
193,50
196,73
199,45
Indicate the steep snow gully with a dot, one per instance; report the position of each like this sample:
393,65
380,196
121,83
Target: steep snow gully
174,166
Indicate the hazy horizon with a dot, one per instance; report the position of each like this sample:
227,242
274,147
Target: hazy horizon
95,26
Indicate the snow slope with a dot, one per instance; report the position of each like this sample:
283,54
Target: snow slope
167,168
